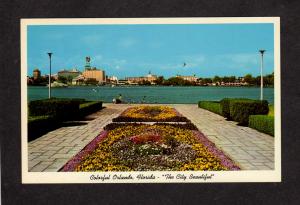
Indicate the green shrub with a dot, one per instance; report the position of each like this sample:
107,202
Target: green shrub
225,106
33,119
212,106
271,110
59,108
89,107
39,125
80,100
225,109
240,110
262,123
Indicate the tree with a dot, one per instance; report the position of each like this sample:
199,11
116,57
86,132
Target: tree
226,79
62,79
144,82
206,80
217,79
249,79
269,80
159,80
256,81
43,80
69,79
232,79
178,81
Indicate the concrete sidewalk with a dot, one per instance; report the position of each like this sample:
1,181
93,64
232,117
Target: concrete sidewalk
250,149
51,151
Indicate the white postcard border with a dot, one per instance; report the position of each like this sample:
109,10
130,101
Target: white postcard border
160,176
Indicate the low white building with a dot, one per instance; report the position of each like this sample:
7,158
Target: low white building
112,79
78,80
192,78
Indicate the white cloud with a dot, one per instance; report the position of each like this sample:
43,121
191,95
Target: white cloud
194,60
155,44
109,63
238,63
92,39
127,42
240,60
98,58
119,61
52,35
199,58
170,66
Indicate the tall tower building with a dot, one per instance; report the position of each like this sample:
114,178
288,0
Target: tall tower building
87,63
36,73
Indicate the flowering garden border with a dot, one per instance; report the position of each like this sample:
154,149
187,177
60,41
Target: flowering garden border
78,158
122,118
225,160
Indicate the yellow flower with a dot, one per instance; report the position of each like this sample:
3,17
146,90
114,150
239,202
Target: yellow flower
102,159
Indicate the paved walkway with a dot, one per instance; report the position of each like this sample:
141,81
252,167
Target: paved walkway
51,151
250,149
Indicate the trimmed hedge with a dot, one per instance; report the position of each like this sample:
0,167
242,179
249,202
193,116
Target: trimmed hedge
60,108
225,109
262,123
39,125
89,107
271,110
212,106
49,114
79,100
240,110
225,106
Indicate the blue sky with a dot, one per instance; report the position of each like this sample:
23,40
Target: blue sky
134,50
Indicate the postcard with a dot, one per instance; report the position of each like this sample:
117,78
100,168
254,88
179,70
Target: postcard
151,100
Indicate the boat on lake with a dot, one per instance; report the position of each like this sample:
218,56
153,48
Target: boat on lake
57,85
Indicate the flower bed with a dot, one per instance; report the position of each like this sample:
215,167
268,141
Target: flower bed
150,114
158,147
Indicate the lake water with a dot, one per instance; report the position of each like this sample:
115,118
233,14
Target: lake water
154,94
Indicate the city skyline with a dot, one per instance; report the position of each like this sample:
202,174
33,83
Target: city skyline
200,77
165,50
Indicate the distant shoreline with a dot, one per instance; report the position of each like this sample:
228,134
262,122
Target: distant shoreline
244,86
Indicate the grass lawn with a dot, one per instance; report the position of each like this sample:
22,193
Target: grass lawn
271,110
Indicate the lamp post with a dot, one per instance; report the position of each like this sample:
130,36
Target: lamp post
50,54
261,73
